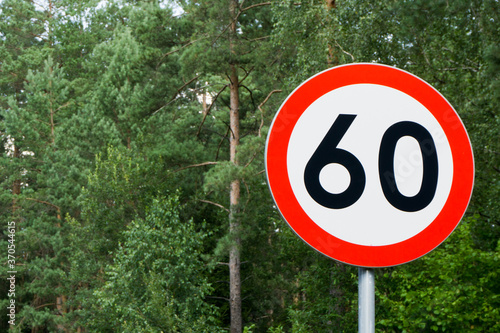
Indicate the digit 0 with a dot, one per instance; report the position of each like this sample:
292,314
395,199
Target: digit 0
386,166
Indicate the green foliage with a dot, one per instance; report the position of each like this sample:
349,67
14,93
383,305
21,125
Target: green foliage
452,289
102,116
156,282
44,180
20,50
116,193
319,295
302,35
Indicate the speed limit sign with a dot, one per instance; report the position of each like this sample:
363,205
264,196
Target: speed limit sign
369,165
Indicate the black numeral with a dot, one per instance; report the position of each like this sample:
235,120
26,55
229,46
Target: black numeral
327,153
386,166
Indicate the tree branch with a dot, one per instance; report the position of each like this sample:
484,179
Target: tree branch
220,143
63,106
215,204
250,92
209,108
246,74
45,203
344,51
242,10
176,50
256,5
262,112
195,166
257,38
216,297
44,305
176,94
248,194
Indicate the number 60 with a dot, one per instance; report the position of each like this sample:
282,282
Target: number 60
328,153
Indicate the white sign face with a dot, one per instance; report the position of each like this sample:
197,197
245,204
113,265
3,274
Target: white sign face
369,165
372,219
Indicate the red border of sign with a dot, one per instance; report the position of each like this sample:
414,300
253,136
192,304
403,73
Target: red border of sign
331,246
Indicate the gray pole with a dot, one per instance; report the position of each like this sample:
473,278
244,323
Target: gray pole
366,300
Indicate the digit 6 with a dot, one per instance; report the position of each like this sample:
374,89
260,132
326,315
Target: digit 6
328,153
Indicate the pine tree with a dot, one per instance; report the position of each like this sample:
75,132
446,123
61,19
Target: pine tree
49,183
136,81
44,162
231,49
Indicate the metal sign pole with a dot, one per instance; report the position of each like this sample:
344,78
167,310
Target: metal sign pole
366,300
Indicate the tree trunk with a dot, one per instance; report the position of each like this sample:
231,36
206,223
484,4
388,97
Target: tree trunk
332,59
234,197
234,261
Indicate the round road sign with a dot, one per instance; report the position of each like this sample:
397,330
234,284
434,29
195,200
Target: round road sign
369,165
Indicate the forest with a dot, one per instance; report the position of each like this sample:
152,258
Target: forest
133,191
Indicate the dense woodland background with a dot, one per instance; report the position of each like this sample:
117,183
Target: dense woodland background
132,163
